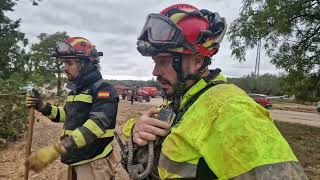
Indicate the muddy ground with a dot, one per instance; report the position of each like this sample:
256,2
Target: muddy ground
304,140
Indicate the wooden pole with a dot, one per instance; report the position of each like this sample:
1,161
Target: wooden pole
29,140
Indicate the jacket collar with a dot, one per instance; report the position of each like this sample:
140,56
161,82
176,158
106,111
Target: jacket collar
84,81
202,83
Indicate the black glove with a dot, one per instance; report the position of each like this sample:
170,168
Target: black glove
34,100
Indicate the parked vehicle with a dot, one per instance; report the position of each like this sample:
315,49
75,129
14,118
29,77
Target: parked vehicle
138,94
318,107
262,99
144,94
151,90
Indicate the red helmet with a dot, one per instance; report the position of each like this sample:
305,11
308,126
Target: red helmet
184,29
77,47
190,25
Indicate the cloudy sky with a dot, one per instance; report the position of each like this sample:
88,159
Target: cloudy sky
113,26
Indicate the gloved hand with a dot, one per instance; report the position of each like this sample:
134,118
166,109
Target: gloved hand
45,156
34,100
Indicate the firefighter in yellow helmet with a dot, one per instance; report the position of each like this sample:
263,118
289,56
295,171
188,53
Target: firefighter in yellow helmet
89,116
218,131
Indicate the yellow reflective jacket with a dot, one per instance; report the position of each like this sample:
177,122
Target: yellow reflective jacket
225,128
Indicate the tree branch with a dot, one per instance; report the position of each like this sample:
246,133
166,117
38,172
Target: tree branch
316,31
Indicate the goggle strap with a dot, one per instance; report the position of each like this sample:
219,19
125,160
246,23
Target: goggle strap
216,24
180,87
177,64
192,13
174,11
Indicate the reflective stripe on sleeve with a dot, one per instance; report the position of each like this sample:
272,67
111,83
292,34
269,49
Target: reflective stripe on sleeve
93,127
62,115
54,112
169,169
78,138
80,97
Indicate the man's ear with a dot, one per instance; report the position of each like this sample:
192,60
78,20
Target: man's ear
80,64
198,61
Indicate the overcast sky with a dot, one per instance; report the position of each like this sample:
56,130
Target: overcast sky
113,26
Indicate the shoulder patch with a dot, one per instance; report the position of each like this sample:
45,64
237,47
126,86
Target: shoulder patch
103,94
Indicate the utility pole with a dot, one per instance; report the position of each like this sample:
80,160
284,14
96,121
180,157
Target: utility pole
257,65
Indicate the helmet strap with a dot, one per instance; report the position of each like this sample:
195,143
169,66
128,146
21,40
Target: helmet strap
180,87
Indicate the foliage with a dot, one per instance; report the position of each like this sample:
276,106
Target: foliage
13,113
290,29
13,73
304,87
266,84
10,37
137,83
40,61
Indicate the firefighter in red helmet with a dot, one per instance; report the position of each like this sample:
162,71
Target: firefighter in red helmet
218,131
89,115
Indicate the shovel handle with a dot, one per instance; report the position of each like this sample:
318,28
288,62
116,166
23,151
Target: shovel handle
29,140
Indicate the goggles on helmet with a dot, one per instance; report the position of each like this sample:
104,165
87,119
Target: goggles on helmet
64,49
164,33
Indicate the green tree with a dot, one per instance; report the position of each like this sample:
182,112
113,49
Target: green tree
137,83
290,30
265,84
41,60
12,73
10,37
304,87
12,111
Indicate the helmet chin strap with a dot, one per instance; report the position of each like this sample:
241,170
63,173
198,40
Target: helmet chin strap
180,87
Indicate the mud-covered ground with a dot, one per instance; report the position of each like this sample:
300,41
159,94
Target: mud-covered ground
304,140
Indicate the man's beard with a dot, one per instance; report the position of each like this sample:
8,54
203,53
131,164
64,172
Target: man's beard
70,77
162,80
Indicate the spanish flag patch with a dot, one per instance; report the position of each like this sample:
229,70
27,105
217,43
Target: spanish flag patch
103,94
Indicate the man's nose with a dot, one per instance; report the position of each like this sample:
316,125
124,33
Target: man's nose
156,70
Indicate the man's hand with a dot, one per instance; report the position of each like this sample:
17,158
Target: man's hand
148,128
45,156
35,100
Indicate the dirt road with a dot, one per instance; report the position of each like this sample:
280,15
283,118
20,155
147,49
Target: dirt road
310,119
